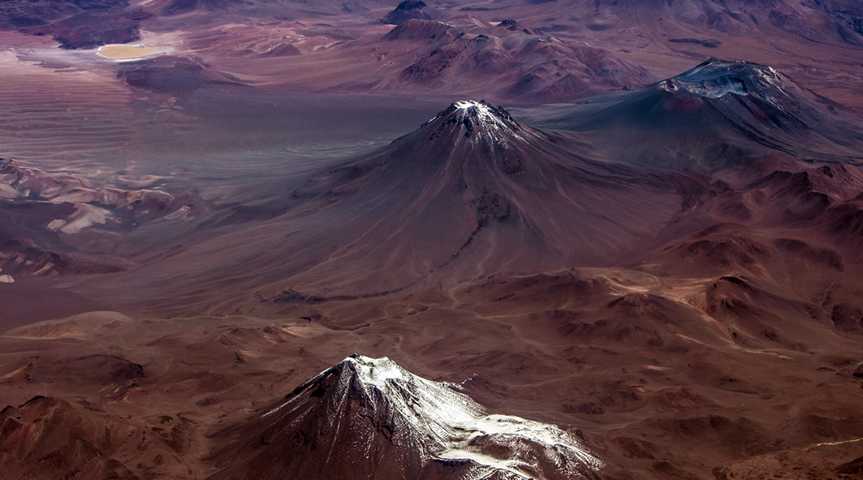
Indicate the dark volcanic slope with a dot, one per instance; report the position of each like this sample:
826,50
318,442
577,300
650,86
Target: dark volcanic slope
470,192
472,182
369,418
716,114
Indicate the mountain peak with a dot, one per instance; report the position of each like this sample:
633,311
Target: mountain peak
383,418
717,78
408,10
478,121
481,111
374,372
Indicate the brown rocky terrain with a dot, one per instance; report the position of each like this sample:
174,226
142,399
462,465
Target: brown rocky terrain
654,277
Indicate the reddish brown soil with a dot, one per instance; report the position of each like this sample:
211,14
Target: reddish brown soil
674,280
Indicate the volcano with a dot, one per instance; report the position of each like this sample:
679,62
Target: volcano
471,184
368,418
717,114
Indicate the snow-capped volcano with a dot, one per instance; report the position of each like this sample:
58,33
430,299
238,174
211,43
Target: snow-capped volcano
748,95
478,122
478,115
717,114
470,189
369,418
718,78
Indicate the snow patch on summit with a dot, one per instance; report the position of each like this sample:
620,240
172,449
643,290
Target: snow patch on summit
480,122
481,111
376,372
718,78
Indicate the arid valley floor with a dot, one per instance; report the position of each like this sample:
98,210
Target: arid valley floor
440,240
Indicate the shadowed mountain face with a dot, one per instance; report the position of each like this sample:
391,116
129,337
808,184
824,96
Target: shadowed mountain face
716,115
368,418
